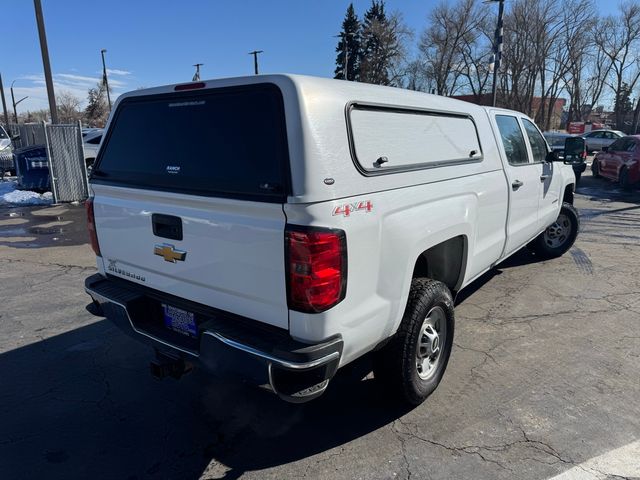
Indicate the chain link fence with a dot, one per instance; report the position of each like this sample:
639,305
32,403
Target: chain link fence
65,152
27,134
66,163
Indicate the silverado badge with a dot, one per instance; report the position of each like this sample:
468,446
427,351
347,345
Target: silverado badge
169,253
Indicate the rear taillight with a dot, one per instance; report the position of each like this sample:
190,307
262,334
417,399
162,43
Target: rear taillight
316,268
91,226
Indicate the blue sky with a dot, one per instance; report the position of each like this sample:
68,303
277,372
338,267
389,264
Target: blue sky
156,42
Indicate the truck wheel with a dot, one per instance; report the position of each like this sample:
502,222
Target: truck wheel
411,365
559,236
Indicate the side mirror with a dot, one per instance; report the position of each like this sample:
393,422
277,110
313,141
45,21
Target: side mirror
552,156
15,137
605,149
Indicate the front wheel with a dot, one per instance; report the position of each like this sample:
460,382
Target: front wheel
412,364
559,236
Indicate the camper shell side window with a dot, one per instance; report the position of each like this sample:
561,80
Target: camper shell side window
389,139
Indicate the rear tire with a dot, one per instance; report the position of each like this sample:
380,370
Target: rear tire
412,364
595,169
624,179
560,236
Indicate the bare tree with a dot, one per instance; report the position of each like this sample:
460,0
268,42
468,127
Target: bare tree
69,110
476,52
452,29
586,68
618,38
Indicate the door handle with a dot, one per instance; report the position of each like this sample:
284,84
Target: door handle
516,184
544,177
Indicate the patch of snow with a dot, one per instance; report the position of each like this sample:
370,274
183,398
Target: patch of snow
9,194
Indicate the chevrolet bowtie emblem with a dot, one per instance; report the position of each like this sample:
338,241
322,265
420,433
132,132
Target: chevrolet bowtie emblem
169,253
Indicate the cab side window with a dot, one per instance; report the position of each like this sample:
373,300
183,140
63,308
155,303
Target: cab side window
512,139
538,145
618,146
631,146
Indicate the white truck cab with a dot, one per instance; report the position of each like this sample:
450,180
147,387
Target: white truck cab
278,227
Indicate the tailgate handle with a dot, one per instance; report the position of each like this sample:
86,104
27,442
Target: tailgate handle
167,226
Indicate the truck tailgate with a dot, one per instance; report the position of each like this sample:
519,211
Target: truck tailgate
231,255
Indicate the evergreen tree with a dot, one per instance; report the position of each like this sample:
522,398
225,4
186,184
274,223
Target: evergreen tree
350,44
97,111
373,58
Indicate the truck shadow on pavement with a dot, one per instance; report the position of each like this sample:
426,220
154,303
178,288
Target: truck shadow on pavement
83,405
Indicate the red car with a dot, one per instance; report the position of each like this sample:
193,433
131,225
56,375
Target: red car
620,161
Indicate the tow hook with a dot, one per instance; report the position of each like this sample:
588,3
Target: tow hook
168,366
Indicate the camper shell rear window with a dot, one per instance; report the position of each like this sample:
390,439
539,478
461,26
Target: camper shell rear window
224,142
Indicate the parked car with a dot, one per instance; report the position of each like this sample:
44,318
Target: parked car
32,168
6,154
619,162
576,156
310,221
596,139
91,143
5,139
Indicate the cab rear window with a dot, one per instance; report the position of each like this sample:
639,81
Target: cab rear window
228,142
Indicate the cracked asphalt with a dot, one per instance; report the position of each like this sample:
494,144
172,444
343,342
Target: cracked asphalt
544,375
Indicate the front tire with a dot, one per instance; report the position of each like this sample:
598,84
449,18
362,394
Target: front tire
560,236
412,364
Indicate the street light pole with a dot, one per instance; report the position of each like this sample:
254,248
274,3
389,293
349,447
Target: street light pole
45,61
497,51
105,79
13,101
255,60
4,102
196,76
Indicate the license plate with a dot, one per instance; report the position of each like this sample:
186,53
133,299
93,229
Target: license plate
179,320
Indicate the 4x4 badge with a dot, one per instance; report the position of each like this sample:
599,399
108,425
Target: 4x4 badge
169,253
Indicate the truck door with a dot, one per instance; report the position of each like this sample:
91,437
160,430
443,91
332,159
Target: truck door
523,177
549,201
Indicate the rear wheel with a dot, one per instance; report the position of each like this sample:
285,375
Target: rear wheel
624,179
412,364
595,169
559,236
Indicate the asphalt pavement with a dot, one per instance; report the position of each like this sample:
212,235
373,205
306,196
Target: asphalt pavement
543,382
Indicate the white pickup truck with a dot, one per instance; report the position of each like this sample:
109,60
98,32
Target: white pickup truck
276,228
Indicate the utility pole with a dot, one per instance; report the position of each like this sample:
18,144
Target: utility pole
4,102
196,76
13,101
255,59
105,79
45,61
497,50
